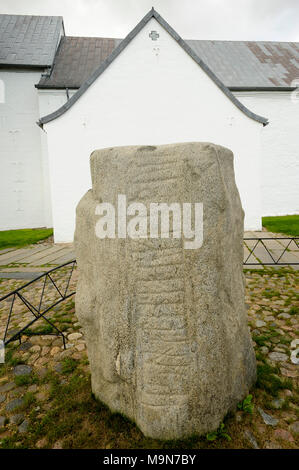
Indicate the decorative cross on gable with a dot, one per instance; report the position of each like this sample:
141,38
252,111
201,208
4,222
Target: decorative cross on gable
154,35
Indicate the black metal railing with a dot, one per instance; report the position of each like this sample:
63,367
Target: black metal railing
274,251
47,280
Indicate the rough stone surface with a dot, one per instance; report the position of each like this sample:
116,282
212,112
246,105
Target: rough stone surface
283,434
250,437
166,327
289,373
272,445
57,445
24,426
58,367
55,350
277,403
295,427
74,336
260,323
22,369
17,419
42,443
268,419
278,357
7,387
25,346
14,404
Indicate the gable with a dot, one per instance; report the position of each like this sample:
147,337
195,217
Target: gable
152,15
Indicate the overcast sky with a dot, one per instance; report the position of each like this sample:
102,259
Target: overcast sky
272,20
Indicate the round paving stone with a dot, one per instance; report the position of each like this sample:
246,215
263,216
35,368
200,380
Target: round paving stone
277,403
24,426
18,391
2,421
2,398
250,437
278,357
58,367
284,315
41,443
74,336
42,396
272,445
274,340
22,369
16,419
283,434
42,372
270,318
268,419
45,350
7,387
288,373
25,346
294,427
260,323
57,445
55,351
16,403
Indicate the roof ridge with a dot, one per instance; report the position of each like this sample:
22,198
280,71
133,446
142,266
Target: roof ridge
34,16
92,37
244,41
201,40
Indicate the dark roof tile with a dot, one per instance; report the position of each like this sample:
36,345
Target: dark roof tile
236,63
29,40
76,59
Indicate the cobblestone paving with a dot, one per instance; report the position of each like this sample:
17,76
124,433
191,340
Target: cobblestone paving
39,374
273,308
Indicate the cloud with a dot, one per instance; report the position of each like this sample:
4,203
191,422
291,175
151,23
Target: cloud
275,20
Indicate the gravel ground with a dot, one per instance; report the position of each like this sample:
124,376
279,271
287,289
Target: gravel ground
39,374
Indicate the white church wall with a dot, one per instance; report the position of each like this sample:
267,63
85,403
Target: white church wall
49,101
153,93
22,174
280,150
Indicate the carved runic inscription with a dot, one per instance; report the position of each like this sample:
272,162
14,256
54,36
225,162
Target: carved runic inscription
162,334
154,35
